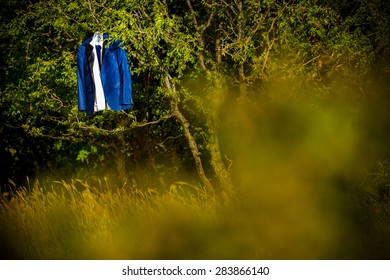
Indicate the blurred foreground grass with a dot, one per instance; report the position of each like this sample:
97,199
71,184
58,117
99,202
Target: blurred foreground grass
312,181
86,223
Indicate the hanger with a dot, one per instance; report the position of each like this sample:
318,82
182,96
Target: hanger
97,37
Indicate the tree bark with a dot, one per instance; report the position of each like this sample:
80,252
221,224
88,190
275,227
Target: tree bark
188,135
120,159
194,149
218,165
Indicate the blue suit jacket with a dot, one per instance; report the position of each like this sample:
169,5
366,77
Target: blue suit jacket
115,76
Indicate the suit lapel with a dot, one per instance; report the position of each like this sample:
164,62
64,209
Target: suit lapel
103,51
90,57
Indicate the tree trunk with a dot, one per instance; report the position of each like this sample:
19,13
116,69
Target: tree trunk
217,163
120,159
188,135
194,149
120,145
242,82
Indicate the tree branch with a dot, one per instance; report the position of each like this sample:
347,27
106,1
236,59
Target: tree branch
117,130
92,10
199,33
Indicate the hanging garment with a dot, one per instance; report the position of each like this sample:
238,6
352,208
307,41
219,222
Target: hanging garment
103,75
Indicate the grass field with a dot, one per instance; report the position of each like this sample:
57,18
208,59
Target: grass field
73,220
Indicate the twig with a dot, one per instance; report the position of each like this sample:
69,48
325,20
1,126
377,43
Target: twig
311,60
91,9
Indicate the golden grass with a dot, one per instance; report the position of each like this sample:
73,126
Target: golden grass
82,222
75,223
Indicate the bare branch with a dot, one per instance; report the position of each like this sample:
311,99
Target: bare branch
208,22
199,33
194,20
133,126
311,60
92,10
269,48
163,118
270,43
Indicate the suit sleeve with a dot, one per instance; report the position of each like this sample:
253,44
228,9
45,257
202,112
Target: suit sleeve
81,79
126,94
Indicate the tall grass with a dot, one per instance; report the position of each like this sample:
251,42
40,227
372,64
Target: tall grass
86,223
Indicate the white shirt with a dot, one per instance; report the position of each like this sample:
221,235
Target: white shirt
100,100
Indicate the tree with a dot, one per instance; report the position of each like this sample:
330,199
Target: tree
230,49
